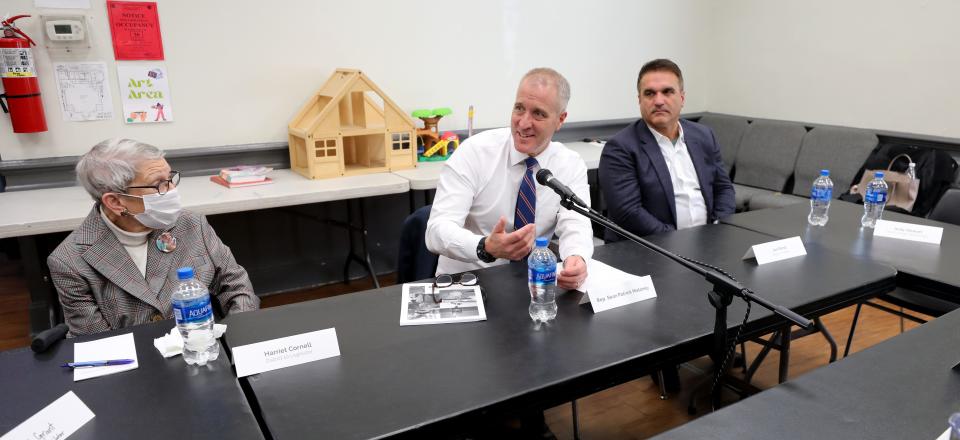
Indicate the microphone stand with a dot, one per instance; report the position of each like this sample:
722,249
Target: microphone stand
724,288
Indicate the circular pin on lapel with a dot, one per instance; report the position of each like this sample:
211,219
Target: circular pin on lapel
166,242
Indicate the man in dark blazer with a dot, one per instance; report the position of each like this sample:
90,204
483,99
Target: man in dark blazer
662,173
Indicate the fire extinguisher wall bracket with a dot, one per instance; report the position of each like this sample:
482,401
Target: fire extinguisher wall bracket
3,96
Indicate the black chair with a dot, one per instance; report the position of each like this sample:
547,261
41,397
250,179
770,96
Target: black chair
947,210
415,261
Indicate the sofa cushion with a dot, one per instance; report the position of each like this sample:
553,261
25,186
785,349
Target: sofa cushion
768,153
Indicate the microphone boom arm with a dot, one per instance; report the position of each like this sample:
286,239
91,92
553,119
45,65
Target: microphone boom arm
722,284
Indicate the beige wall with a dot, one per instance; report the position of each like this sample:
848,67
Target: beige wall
240,70
891,65
238,73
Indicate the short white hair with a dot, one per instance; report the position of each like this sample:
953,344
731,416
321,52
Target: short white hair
546,75
111,165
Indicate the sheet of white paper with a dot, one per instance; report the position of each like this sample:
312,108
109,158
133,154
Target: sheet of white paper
945,435
908,231
62,4
57,420
607,287
116,347
84,91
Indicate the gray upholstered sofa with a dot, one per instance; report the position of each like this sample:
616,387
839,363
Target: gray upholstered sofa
773,163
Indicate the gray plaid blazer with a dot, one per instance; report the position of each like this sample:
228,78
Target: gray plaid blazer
100,287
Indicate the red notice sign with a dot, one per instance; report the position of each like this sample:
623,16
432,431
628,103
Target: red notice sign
135,27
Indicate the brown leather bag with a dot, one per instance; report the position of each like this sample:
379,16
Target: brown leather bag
902,190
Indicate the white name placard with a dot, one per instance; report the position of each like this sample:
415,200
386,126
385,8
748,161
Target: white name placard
58,420
285,352
776,250
608,288
908,231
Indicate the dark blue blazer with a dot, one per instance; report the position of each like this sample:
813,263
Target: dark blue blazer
636,183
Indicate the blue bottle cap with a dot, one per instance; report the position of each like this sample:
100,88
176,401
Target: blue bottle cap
185,273
878,174
824,172
542,241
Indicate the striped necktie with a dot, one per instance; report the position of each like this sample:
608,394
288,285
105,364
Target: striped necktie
526,198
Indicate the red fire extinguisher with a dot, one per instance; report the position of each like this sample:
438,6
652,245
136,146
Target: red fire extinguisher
20,85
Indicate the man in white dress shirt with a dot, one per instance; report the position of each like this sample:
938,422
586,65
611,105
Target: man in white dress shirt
662,173
488,210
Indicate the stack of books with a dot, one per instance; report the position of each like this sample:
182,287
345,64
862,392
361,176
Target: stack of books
244,175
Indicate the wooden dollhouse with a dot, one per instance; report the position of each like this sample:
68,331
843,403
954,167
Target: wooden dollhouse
351,127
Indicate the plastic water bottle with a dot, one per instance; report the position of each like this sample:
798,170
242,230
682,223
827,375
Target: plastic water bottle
875,200
194,315
542,276
820,196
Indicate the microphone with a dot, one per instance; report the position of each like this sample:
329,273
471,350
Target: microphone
545,178
48,337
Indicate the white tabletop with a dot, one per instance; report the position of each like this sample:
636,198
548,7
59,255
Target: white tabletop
426,175
590,151
63,209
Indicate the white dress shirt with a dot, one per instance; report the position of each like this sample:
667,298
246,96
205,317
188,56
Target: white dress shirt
688,200
479,184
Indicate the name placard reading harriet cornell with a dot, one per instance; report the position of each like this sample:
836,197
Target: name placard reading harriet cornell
908,231
285,352
776,250
58,420
608,288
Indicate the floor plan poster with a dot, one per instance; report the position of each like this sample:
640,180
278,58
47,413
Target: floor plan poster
146,93
84,91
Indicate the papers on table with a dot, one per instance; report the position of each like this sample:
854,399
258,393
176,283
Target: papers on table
607,288
56,421
945,435
421,304
116,347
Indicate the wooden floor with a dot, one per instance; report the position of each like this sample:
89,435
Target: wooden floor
629,411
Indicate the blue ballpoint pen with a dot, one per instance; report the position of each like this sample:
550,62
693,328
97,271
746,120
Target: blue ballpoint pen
97,363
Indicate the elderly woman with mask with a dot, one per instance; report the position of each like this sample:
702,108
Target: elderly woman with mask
118,268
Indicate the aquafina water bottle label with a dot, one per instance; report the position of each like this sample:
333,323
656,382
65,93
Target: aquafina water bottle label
542,275
192,311
874,196
821,193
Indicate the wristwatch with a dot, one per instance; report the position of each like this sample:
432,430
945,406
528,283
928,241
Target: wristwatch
482,253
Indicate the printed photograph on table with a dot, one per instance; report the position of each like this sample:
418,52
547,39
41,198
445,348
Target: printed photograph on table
423,304
145,93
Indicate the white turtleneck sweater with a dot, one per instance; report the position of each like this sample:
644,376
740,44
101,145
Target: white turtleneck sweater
134,242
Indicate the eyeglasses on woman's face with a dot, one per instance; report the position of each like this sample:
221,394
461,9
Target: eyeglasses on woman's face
162,187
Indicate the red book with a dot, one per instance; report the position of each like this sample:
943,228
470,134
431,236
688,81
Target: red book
219,180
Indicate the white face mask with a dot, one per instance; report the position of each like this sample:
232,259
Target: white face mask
160,212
